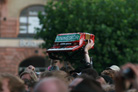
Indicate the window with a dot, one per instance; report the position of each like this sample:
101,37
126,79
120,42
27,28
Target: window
29,20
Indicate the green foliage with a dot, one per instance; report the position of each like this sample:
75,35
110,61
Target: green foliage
113,22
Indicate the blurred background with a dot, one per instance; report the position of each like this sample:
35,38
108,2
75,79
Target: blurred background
18,48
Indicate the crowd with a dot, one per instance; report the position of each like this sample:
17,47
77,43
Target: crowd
112,79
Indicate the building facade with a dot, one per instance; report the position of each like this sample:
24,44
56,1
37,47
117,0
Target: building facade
18,48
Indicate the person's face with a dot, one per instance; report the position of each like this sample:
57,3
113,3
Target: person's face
101,80
48,87
26,76
5,87
56,63
74,83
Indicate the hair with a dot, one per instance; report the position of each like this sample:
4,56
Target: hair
15,84
46,74
88,85
108,88
110,73
58,74
107,79
91,72
68,68
85,76
62,87
1,83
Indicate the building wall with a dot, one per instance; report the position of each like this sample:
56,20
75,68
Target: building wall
16,6
11,53
10,58
9,28
10,13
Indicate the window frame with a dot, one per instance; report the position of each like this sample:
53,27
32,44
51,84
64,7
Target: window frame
25,13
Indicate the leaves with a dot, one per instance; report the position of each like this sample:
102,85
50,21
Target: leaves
113,22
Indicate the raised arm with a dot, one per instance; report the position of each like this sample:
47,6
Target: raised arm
89,45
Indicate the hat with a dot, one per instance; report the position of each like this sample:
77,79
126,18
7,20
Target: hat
31,72
114,67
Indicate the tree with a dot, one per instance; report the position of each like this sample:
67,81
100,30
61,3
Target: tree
113,22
